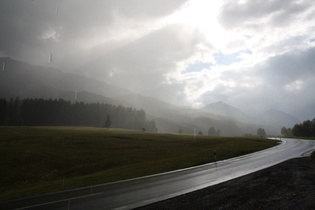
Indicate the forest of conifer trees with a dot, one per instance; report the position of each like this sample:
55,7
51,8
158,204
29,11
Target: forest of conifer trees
42,112
305,129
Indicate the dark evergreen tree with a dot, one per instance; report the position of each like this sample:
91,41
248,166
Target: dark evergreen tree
305,129
108,122
3,112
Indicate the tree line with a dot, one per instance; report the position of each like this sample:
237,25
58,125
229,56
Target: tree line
49,112
304,129
211,132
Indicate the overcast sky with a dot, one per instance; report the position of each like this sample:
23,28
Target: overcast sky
255,54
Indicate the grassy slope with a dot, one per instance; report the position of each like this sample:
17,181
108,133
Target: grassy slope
44,159
299,137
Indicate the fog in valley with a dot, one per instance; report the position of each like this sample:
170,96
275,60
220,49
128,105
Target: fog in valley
235,66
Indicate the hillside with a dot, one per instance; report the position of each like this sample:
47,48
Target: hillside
23,80
18,79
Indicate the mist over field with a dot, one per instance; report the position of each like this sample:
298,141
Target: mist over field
191,65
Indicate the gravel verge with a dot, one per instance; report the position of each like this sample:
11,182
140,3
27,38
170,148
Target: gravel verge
289,185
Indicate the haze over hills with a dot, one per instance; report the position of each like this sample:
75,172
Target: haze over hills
22,80
274,117
226,110
271,119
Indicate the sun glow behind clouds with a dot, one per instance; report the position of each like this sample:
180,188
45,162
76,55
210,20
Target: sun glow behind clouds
238,44
203,16
200,73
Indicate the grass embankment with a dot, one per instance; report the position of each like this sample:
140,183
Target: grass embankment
37,160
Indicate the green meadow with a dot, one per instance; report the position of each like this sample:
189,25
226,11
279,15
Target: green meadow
36,160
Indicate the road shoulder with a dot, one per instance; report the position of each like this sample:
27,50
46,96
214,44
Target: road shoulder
289,185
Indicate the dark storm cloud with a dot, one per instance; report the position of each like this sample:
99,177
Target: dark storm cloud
34,30
291,77
24,23
284,69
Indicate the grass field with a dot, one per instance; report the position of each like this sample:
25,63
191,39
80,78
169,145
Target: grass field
37,160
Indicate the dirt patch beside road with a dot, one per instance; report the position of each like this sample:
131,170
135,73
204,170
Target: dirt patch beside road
289,185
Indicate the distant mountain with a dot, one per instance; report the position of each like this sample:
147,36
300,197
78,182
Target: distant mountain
272,120
18,79
170,118
307,112
223,109
275,120
276,117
